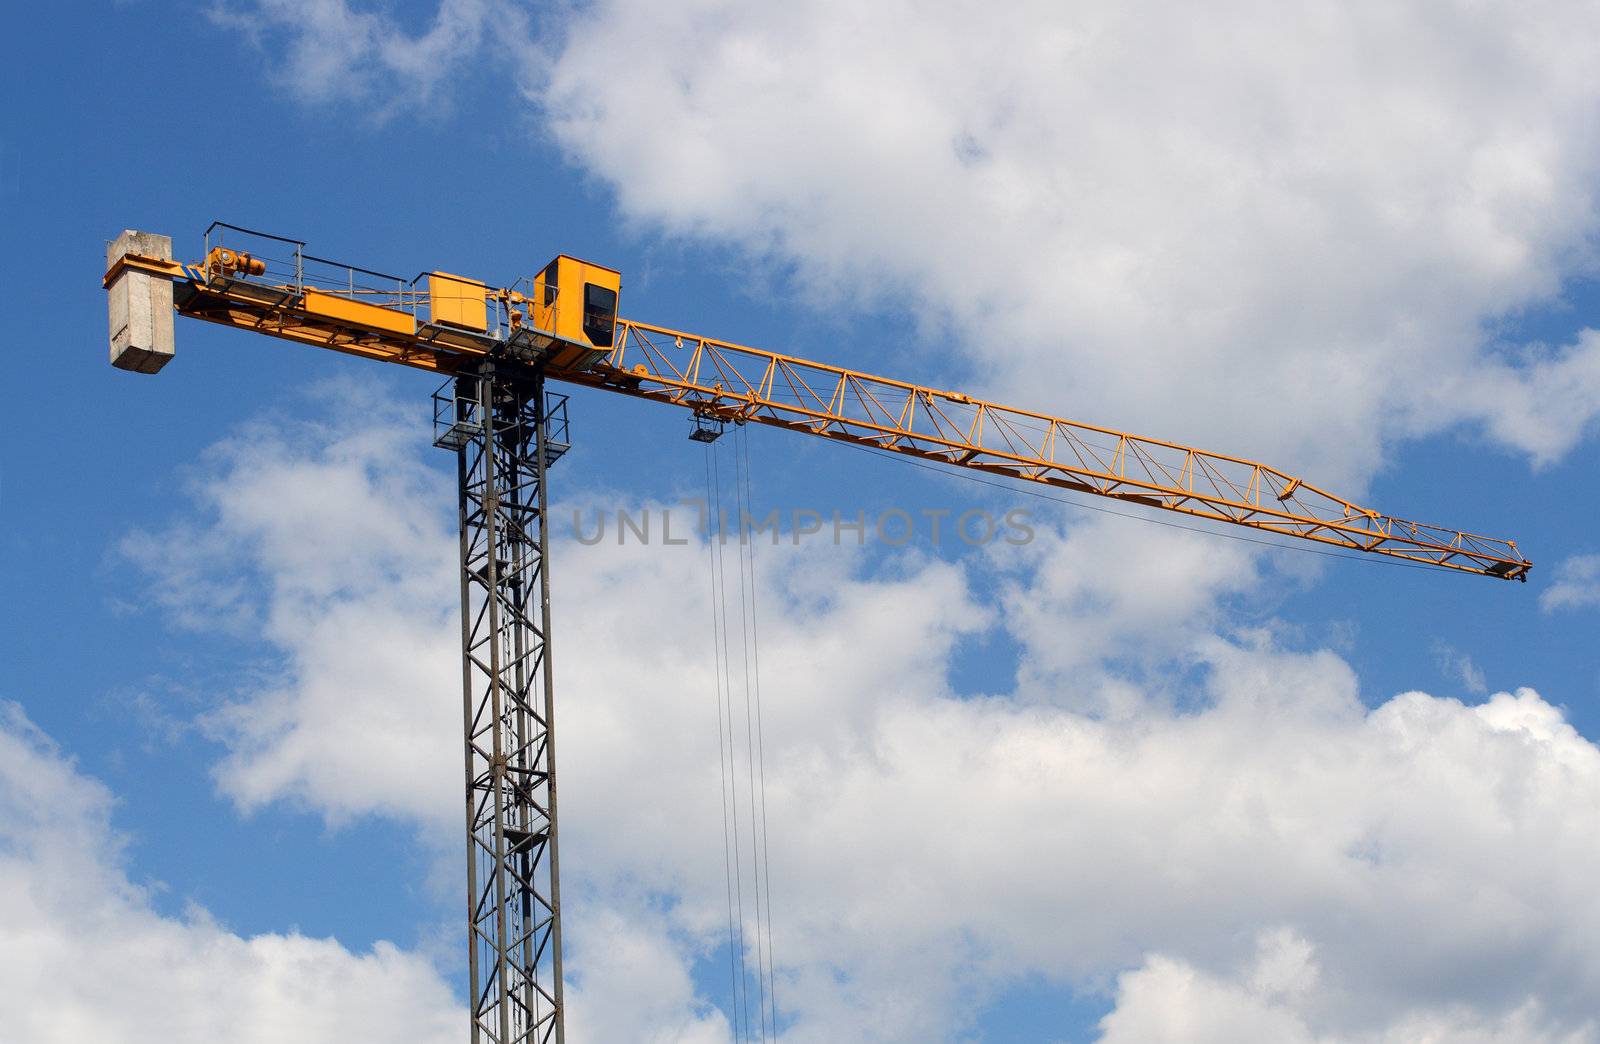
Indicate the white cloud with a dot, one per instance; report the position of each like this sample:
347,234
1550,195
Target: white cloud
346,530
1111,590
1460,666
326,52
985,842
1276,233
636,955
1430,859
1543,404
83,956
1577,585
1166,1001
1289,236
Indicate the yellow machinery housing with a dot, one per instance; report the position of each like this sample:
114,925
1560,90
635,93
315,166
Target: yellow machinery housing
358,313
458,301
576,301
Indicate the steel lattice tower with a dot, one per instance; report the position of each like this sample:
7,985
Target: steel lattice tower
501,427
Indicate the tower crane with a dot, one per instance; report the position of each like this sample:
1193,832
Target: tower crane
498,349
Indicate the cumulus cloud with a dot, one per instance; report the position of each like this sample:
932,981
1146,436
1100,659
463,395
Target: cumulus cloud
1279,232
1167,1001
325,51
344,529
631,951
84,956
1577,585
1067,847
1424,863
1073,609
1460,666
1289,235
1543,403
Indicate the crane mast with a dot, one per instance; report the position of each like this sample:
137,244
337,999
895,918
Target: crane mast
497,349
501,430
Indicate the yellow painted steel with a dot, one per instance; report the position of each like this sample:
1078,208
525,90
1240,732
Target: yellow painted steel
223,262
741,384
737,383
139,262
458,301
344,310
563,299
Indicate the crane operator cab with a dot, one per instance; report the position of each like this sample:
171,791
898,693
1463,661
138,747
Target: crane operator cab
577,302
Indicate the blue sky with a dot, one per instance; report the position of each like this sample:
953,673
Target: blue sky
1181,769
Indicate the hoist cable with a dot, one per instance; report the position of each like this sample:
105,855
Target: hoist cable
733,753
749,727
734,948
761,744
749,737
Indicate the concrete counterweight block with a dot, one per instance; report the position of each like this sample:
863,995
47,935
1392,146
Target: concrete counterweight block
141,305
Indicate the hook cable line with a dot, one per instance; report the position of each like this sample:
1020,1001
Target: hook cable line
749,738
733,749
735,949
758,752
721,567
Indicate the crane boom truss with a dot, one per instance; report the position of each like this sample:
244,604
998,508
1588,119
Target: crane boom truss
735,382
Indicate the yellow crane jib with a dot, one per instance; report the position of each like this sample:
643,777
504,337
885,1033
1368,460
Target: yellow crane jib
564,319
564,323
